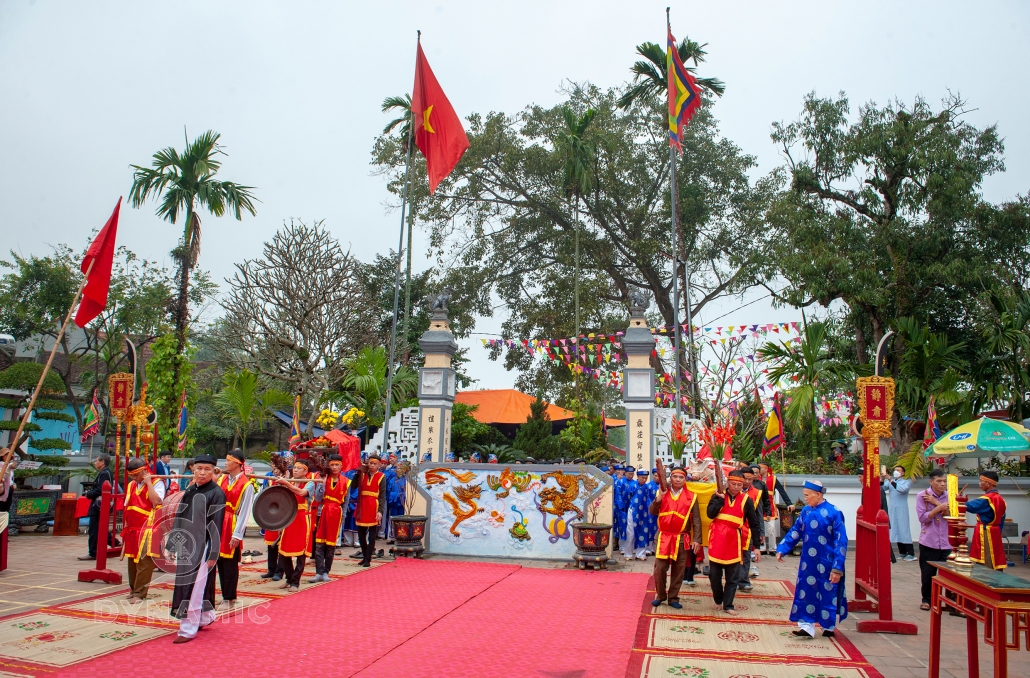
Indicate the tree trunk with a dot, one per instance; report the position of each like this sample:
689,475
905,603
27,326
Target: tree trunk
182,307
815,430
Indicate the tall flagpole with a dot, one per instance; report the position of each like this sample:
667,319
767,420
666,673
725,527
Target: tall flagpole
397,276
675,256
677,336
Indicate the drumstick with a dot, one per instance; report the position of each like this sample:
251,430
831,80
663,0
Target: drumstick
662,481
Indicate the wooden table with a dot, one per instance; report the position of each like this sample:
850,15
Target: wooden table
983,595
65,522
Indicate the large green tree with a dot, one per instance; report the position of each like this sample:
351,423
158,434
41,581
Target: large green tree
185,183
505,228
885,213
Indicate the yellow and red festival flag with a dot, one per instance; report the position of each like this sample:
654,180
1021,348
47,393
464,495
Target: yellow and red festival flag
773,429
437,128
295,426
684,94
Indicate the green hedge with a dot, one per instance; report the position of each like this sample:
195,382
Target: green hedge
50,444
53,416
12,425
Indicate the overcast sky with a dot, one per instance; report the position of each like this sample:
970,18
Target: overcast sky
86,88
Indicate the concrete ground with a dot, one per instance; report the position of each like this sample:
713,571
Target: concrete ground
43,571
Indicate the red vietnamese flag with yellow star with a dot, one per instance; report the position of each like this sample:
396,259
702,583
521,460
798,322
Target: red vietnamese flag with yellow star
437,128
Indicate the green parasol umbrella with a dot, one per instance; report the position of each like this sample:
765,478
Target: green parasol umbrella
982,438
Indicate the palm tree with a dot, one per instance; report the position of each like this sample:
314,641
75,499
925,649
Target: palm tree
578,153
364,384
649,81
1008,343
185,183
929,367
242,405
402,104
811,367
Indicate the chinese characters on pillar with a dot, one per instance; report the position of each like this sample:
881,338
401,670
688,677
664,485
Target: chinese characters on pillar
875,409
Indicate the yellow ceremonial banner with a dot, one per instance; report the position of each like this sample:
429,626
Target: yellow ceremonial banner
704,492
953,495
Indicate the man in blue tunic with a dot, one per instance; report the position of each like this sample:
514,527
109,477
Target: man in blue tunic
819,596
652,491
639,520
619,505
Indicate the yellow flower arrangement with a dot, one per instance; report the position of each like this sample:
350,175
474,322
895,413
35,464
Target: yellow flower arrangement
327,419
352,416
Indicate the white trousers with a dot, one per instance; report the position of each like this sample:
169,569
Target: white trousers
772,533
627,547
810,627
197,616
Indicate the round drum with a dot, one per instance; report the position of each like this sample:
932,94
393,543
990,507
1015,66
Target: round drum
164,520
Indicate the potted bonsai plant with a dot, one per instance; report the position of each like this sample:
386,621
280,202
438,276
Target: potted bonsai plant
592,538
409,529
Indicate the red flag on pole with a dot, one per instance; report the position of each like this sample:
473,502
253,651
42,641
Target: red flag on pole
437,128
97,267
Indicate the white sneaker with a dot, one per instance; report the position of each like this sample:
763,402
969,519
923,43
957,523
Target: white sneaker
911,558
753,572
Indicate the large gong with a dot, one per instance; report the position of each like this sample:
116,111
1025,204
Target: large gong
275,508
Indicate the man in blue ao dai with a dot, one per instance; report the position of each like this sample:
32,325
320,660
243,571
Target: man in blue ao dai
640,524
819,597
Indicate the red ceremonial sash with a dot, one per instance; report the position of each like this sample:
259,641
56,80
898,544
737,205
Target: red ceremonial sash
724,534
368,499
233,492
332,510
673,520
137,520
988,536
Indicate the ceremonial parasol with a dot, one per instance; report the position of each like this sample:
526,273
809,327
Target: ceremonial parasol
982,438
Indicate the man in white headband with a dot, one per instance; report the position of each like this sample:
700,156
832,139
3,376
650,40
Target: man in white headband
819,596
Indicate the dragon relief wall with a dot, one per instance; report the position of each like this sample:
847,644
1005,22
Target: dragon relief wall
521,511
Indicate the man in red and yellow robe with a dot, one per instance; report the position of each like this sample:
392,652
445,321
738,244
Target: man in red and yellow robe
239,498
331,518
729,512
679,538
142,499
371,484
989,509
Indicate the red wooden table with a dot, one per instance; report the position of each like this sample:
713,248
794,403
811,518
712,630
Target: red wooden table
1000,601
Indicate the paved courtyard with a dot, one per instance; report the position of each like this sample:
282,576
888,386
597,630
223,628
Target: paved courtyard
43,568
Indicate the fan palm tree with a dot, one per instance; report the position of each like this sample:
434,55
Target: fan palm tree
578,155
811,367
185,183
242,404
649,74
364,384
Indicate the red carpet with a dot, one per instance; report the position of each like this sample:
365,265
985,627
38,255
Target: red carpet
425,618
336,629
539,623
